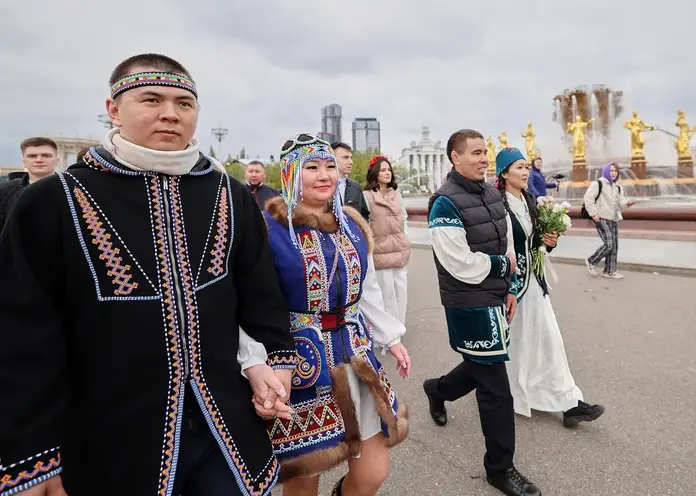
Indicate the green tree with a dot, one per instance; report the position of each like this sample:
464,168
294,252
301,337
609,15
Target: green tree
235,169
361,163
242,153
212,152
273,176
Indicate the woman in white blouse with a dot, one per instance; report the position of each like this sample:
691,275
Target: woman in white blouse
538,370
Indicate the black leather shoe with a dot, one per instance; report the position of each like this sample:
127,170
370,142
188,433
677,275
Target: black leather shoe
513,483
582,413
438,412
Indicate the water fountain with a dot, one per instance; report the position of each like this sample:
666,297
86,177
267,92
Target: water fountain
600,104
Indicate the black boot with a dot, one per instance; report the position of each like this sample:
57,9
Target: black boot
582,413
438,412
513,483
337,488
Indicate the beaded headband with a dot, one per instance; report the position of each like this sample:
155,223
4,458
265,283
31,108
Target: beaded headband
295,153
152,79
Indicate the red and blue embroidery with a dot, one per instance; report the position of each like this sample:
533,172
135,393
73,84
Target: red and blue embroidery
38,471
255,486
117,270
315,270
351,260
217,262
172,331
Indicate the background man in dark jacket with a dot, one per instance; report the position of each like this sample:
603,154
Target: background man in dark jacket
255,175
40,159
351,192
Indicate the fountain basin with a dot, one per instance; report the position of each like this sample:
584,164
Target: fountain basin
648,217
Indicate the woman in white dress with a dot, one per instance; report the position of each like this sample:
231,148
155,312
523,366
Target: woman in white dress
540,378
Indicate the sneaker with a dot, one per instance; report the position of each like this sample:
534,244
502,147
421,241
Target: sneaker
614,275
584,412
590,268
513,483
438,412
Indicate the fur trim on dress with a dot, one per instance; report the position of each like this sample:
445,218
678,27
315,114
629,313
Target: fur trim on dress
325,222
317,462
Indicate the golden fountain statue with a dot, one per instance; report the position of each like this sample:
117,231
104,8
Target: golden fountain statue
637,126
578,129
503,140
490,155
529,134
685,164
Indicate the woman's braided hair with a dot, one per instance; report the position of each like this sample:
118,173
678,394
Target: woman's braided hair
530,205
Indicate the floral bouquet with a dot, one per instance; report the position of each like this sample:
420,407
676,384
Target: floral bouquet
551,218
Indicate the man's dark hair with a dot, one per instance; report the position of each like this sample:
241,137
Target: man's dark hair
373,176
38,142
256,162
150,60
338,145
458,141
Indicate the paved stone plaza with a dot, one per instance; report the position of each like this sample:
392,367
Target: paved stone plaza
630,345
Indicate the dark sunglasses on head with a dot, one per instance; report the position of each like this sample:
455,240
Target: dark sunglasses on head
302,139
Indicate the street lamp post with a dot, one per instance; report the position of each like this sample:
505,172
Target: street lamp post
219,133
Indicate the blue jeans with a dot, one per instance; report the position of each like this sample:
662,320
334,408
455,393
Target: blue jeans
202,469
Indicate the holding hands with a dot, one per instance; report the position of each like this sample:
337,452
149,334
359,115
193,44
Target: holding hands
271,390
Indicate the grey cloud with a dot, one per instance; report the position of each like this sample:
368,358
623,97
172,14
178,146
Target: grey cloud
265,68
336,39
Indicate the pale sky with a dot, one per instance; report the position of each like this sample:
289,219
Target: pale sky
264,68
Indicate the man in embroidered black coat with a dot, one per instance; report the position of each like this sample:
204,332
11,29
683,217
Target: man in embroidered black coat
121,295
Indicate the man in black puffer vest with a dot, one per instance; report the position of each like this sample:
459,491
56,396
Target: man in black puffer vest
473,247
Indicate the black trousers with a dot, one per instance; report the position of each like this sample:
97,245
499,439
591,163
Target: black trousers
202,469
495,407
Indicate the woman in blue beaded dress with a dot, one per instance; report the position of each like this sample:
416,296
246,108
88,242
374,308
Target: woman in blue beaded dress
343,405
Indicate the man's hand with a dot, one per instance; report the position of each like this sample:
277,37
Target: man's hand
511,306
595,218
630,203
403,361
551,239
51,487
513,262
270,393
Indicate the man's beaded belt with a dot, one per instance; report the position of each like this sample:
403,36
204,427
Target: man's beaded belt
324,321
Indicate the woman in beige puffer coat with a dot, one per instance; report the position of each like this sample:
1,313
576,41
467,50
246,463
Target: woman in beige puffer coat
392,246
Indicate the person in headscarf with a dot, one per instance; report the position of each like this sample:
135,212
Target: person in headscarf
604,200
123,283
344,407
538,370
537,182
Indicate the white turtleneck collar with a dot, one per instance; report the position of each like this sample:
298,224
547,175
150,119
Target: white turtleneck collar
142,159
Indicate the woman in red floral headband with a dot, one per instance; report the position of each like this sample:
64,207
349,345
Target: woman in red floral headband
392,246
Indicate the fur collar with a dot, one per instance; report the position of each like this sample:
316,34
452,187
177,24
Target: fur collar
325,222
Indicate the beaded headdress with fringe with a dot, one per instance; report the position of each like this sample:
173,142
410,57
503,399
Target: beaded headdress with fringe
297,151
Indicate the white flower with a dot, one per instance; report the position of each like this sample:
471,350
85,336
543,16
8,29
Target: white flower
566,222
565,205
555,207
541,200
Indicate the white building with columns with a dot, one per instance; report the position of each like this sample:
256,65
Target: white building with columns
426,160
